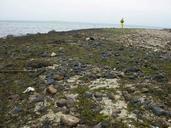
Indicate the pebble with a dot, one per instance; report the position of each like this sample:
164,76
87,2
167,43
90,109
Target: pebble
51,90
61,102
53,54
36,98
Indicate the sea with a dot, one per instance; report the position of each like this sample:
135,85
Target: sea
19,28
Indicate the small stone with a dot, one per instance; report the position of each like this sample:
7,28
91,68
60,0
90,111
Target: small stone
69,120
103,124
115,113
145,90
51,89
61,103
90,39
126,95
131,89
111,96
16,110
53,54
36,98
88,94
59,77
132,70
29,89
39,107
98,95
159,78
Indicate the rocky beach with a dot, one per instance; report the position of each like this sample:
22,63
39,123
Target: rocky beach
92,78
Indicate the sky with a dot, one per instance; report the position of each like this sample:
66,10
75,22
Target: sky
135,12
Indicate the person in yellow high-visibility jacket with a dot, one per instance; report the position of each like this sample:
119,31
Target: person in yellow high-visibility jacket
122,24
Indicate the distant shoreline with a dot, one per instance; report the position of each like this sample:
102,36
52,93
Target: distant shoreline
20,28
74,30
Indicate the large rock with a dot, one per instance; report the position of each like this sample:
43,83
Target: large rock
69,120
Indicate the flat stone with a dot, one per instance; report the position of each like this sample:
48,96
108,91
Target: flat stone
69,120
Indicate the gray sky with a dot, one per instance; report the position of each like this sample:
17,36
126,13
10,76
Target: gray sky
136,12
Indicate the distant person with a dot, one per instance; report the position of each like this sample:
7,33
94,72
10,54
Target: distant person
122,24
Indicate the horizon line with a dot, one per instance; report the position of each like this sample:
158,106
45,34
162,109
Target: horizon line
94,23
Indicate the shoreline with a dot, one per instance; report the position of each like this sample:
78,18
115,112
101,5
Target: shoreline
27,34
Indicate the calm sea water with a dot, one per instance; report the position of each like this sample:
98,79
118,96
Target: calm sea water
18,28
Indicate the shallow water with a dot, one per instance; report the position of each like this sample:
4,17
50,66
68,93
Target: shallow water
25,27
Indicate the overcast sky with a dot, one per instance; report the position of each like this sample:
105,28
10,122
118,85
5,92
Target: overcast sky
136,12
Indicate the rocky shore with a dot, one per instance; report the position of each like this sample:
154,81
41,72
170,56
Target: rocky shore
94,78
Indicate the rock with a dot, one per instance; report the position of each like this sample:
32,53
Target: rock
88,94
132,70
39,107
50,79
61,102
51,116
105,55
29,89
159,78
14,97
52,32
82,126
117,54
36,98
98,95
51,90
103,124
59,77
131,89
111,96
159,111
126,95
145,90
63,109
44,54
38,64
46,124
115,113
90,39
53,54
16,110
69,120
